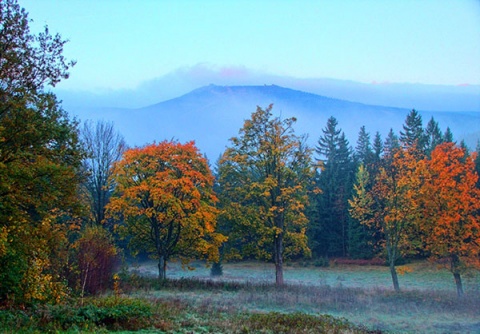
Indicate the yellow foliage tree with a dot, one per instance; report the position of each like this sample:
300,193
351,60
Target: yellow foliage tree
263,181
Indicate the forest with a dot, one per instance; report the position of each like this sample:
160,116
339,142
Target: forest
77,204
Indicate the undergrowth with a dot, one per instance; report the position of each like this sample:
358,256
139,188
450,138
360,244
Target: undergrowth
201,306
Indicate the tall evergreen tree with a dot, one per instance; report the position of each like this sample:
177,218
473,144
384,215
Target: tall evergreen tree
363,150
329,228
433,136
448,136
391,145
377,146
412,134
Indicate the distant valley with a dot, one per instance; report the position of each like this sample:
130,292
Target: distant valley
212,114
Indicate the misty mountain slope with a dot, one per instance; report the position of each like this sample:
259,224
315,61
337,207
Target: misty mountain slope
212,114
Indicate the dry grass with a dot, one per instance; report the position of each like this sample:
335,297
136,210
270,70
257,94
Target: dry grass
361,294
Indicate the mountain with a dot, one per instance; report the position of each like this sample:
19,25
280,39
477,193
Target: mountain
212,114
465,97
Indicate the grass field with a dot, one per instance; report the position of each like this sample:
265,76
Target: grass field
361,294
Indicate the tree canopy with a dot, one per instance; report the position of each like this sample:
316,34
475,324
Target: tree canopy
165,196
40,158
264,176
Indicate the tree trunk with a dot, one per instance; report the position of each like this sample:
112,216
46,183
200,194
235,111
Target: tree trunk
162,268
393,271
279,260
458,283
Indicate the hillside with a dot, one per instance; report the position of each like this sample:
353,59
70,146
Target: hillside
212,114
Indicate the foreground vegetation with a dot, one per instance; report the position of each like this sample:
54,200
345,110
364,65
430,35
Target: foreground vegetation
171,315
244,300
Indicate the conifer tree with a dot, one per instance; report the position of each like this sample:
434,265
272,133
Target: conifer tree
363,150
329,229
433,136
412,134
448,136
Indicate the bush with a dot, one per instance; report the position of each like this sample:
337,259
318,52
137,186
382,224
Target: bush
217,269
96,257
322,262
111,313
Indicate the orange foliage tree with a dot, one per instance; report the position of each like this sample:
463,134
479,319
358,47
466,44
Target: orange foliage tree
450,203
165,195
390,206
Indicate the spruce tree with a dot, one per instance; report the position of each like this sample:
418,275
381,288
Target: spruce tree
363,150
433,136
412,134
448,136
329,227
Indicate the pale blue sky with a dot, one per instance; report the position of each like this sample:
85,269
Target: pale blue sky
122,43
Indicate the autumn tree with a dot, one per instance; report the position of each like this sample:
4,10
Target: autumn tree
390,207
103,146
362,241
264,176
361,237
95,259
164,194
39,162
451,202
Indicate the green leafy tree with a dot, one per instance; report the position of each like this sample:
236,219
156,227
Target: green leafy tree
39,162
362,236
264,176
164,193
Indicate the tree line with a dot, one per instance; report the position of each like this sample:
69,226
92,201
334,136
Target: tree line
73,196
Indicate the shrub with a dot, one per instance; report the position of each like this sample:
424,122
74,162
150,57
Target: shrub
96,257
111,313
322,262
217,269
298,323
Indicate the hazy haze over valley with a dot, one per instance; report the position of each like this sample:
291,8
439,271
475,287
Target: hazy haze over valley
212,114
421,55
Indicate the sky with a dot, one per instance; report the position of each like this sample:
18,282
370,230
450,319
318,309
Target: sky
120,44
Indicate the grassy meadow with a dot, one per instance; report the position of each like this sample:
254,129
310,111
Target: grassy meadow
361,294
336,299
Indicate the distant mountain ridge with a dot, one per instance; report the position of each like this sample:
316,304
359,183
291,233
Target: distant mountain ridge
212,114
